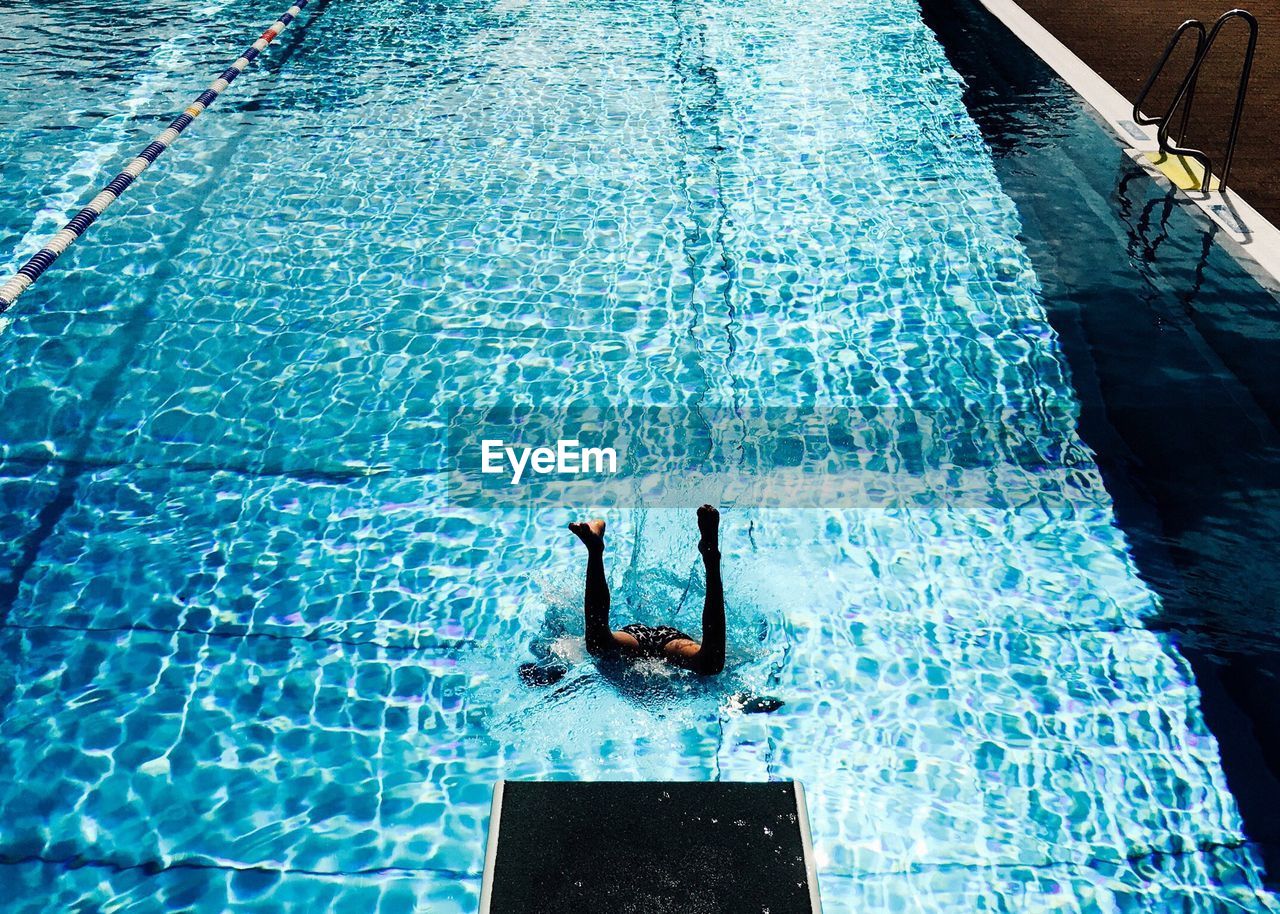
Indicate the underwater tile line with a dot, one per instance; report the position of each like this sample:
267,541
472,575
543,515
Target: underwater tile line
965,632
333,476
1091,865
157,867
47,520
467,643
700,100
34,268
449,648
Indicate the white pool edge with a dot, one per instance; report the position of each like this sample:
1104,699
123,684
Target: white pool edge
806,842
1255,236
491,849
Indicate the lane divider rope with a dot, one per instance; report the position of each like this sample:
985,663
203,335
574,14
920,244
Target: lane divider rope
44,258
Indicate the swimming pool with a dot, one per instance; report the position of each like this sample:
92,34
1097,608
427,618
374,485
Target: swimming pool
253,654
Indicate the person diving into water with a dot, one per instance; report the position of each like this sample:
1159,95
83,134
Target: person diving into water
662,641
635,641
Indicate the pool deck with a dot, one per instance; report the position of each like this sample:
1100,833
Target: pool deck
1122,41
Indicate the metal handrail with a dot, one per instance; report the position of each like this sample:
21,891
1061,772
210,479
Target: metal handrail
1186,92
1181,30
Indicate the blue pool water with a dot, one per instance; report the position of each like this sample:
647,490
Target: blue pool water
254,655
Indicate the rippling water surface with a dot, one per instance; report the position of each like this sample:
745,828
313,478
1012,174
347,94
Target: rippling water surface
253,654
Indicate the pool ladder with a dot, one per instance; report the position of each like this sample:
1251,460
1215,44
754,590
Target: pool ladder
1185,96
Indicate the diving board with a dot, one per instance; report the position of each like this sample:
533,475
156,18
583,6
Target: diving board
609,846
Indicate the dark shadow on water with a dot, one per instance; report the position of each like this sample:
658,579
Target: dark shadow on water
1172,350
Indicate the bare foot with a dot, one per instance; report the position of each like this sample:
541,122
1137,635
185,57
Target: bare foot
709,528
590,532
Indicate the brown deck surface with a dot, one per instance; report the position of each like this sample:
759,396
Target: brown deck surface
1122,39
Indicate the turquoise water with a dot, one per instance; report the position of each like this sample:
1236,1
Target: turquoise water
254,655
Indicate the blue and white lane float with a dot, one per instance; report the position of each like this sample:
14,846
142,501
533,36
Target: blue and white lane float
44,258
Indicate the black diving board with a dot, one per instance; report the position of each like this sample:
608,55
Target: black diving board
605,847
